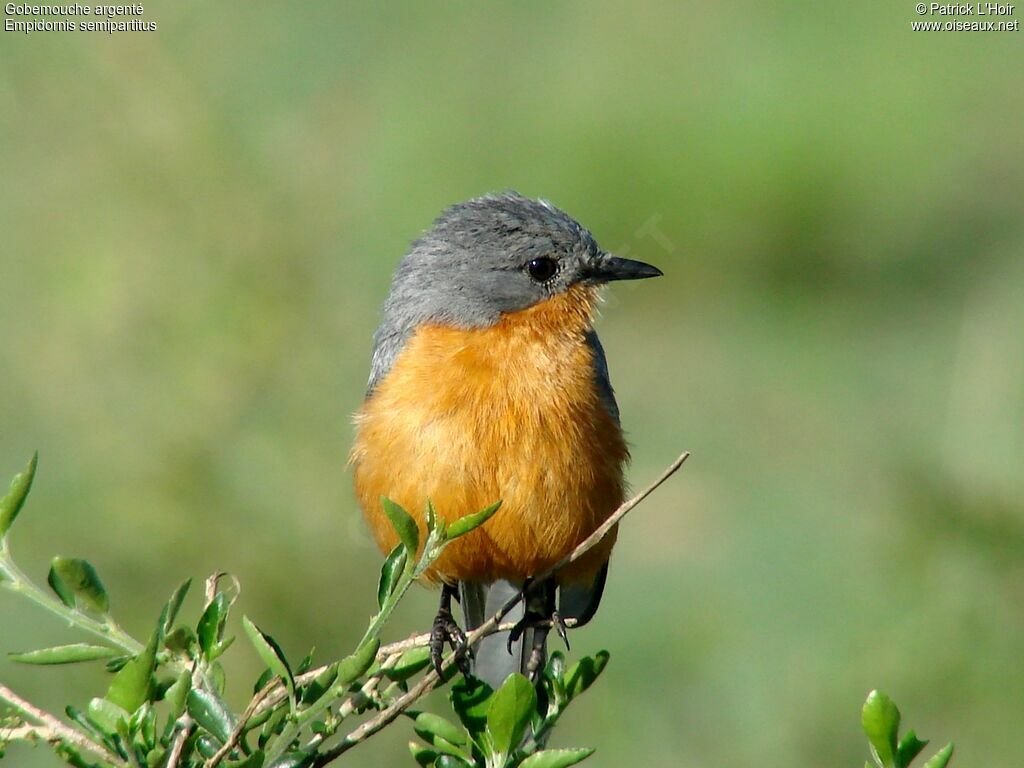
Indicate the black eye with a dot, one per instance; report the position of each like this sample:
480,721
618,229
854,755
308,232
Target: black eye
542,270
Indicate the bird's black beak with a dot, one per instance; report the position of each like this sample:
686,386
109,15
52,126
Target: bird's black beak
610,268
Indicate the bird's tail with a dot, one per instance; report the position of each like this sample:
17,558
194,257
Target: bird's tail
492,662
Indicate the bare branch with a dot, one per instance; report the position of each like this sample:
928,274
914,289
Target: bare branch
602,530
236,735
373,725
422,640
366,692
182,728
387,657
52,730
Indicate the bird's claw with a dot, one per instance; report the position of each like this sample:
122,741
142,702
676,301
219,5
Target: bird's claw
531,621
540,614
447,632
559,624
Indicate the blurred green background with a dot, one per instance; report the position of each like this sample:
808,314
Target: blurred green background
199,225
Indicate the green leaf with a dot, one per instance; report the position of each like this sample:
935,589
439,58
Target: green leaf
389,573
428,726
271,654
554,678
84,722
182,640
176,695
206,745
262,716
306,663
78,585
274,725
255,760
941,758
220,647
584,672
161,686
262,680
117,663
352,667
293,760
909,747
404,525
209,711
321,684
509,713
14,500
65,654
880,719
434,523
408,664
556,666
465,524
422,755
68,754
211,624
133,685
107,716
170,612
217,677
143,724
450,761
470,699
556,758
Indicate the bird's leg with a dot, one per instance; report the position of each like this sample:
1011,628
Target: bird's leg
538,648
446,631
540,615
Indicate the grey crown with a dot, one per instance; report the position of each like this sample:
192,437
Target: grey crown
469,268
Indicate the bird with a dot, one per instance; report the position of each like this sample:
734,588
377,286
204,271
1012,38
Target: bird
488,382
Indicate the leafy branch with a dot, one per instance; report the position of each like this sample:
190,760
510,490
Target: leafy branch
164,707
880,719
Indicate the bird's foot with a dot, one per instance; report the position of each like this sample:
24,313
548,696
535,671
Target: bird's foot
540,615
559,624
446,631
540,612
542,625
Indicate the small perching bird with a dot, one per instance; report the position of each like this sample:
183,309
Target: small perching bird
489,383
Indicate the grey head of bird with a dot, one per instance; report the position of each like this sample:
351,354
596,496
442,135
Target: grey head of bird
486,257
493,255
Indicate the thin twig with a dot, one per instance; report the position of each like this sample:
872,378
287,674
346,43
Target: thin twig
416,641
181,731
28,733
366,692
276,693
603,529
236,734
371,726
387,657
430,680
12,578
423,639
359,698
55,731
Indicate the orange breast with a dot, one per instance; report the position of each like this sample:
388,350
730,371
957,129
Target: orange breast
510,412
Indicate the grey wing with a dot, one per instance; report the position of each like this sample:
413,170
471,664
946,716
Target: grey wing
604,384
580,601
